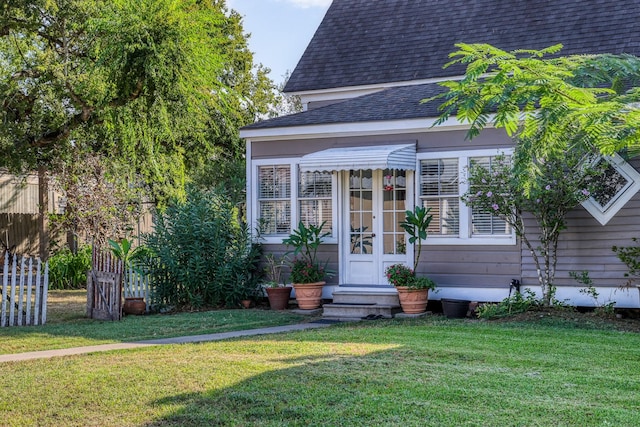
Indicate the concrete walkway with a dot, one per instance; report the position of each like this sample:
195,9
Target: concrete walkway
176,340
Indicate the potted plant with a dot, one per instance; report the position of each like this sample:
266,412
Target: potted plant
307,274
277,293
413,291
131,259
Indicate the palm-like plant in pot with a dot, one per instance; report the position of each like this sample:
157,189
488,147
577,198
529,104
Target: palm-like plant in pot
131,259
413,291
307,273
277,293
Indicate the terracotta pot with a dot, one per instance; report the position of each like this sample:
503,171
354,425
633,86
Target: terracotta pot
246,303
413,301
279,297
134,306
309,295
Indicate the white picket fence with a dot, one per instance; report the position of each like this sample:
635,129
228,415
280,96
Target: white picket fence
135,285
25,285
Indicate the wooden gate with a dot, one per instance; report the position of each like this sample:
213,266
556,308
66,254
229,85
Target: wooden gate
104,287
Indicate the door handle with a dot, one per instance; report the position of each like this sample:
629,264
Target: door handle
373,234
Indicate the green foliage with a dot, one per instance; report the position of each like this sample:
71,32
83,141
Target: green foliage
401,275
416,224
159,85
273,271
226,175
122,250
422,282
563,183
514,304
544,99
606,309
305,267
630,255
302,271
202,256
69,271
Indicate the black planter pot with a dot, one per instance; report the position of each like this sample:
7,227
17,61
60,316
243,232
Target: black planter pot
455,308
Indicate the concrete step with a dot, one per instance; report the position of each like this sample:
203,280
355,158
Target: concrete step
384,296
337,311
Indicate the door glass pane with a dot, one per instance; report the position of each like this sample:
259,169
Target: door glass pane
393,210
361,211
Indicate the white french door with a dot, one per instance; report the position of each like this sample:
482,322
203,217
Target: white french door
374,205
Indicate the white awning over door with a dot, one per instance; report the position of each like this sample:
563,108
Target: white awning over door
368,157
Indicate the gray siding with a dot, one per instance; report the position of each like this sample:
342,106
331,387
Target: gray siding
471,266
586,245
326,252
426,142
482,266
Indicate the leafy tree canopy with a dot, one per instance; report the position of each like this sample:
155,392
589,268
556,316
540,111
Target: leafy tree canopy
541,97
158,85
562,112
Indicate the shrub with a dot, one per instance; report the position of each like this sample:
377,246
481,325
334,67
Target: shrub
201,255
517,303
69,271
605,309
630,255
399,275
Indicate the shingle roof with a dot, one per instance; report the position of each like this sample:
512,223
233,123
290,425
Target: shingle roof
396,103
362,42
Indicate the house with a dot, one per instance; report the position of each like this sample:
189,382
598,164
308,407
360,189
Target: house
364,149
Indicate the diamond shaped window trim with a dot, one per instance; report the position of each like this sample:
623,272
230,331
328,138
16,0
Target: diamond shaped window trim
621,183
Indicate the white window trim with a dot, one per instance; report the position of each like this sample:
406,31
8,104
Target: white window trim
293,170
465,236
603,216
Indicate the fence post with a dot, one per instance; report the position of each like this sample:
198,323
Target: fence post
5,283
12,300
37,304
20,306
29,292
45,292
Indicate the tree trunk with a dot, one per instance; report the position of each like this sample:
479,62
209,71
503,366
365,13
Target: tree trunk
43,212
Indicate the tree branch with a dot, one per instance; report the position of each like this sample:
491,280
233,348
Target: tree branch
118,102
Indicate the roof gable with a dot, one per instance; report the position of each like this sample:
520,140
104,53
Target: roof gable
365,42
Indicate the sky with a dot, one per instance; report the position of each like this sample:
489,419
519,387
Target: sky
280,30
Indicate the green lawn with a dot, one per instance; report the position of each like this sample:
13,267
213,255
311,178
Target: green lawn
430,372
67,327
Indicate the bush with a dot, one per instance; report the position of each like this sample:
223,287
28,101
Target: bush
630,255
202,257
69,271
517,303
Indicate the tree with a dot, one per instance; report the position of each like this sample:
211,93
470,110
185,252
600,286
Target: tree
100,201
562,113
157,85
540,99
565,182
286,103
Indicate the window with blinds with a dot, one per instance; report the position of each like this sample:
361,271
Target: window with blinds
440,191
442,183
485,223
315,195
274,198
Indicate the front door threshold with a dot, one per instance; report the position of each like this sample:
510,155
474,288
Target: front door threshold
381,287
